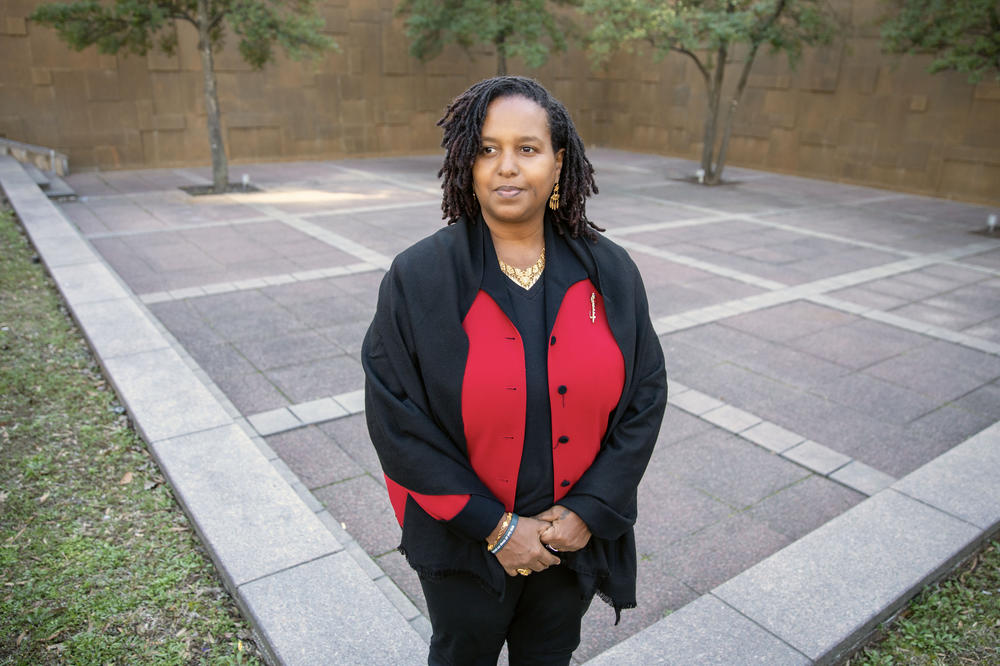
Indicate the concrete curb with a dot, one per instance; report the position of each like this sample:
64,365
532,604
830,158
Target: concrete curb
307,597
818,598
312,598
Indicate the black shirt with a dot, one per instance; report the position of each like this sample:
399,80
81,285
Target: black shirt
534,480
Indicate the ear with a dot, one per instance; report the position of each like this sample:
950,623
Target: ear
559,161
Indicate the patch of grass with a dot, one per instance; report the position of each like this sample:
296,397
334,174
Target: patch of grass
98,563
956,621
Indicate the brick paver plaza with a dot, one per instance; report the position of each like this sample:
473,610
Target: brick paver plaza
822,340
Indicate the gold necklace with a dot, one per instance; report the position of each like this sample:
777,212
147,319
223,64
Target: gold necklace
525,277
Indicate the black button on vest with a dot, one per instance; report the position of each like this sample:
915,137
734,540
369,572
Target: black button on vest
561,390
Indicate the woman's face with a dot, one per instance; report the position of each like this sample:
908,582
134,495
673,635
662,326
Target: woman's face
516,169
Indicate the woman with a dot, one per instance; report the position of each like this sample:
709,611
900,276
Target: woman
514,388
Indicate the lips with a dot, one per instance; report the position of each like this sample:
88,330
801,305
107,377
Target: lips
508,191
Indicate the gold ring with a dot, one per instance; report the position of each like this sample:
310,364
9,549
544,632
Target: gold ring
524,572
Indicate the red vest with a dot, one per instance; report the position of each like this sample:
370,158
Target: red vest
586,374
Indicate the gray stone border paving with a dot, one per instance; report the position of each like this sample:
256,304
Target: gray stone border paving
722,271
309,591
307,413
976,267
398,182
908,324
232,223
791,446
754,218
125,233
312,599
256,283
816,292
331,238
816,599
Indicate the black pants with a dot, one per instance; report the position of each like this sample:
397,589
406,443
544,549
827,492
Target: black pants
539,618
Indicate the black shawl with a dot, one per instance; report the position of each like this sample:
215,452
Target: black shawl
414,359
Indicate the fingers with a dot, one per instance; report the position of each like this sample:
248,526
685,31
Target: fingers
526,551
541,558
537,524
537,540
554,540
563,537
542,562
537,558
549,515
554,535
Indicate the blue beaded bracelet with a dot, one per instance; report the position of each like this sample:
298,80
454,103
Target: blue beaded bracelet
506,536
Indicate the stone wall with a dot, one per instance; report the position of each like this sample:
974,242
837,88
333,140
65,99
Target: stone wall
126,111
847,113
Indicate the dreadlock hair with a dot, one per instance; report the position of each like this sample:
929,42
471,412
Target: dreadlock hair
463,128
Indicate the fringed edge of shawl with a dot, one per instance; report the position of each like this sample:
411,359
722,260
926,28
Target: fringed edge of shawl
619,607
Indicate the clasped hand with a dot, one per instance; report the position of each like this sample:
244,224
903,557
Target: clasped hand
537,538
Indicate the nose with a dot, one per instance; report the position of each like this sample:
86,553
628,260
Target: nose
508,164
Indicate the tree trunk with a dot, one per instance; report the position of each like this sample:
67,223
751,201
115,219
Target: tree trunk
708,135
501,55
220,166
756,40
733,104
712,118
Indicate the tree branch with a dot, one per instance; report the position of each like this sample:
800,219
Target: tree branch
221,14
177,12
216,20
778,9
720,66
745,74
701,67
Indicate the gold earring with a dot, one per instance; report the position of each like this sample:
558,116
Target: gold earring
554,199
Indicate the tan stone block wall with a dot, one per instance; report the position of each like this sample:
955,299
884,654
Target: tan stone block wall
368,98
847,113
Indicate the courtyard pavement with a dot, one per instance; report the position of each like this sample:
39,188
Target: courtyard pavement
822,341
